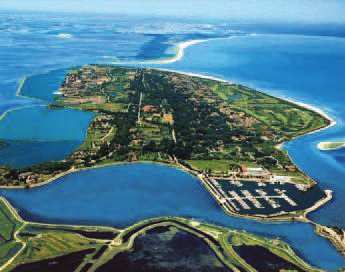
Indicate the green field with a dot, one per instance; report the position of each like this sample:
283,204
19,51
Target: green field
217,166
9,225
273,112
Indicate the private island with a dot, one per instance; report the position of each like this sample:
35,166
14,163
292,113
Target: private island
227,135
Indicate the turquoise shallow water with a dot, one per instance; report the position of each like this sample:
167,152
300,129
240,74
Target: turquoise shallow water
123,195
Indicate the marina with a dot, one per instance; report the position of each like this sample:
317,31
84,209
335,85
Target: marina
266,199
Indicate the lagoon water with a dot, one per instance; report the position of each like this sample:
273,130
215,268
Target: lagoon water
37,134
122,195
306,68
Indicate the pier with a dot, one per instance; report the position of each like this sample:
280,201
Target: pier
260,199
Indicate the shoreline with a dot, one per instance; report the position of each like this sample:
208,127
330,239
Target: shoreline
190,225
76,170
310,107
177,165
179,55
180,47
179,52
9,111
320,111
21,85
18,217
280,217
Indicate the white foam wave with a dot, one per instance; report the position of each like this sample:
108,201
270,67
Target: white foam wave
64,36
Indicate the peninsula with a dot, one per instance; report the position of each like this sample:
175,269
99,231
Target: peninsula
226,134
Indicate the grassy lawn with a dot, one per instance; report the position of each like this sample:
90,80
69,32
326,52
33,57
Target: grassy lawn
8,225
49,244
274,112
7,250
109,107
215,165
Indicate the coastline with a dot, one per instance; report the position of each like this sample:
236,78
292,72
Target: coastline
177,165
320,111
21,219
5,113
75,170
208,232
180,47
179,50
195,75
279,146
280,217
179,55
310,107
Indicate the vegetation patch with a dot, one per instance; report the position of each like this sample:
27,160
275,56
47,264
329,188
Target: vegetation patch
145,114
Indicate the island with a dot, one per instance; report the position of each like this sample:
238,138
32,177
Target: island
225,134
157,244
328,146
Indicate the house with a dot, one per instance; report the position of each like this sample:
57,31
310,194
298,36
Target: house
254,172
149,108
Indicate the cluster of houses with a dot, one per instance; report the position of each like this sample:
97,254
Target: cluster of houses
28,177
101,124
151,112
87,77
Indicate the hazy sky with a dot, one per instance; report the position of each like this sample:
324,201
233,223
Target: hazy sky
311,11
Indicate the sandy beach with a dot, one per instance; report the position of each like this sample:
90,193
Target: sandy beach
180,48
196,75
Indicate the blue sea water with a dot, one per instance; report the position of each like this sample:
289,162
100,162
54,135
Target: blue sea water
43,86
41,47
305,68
